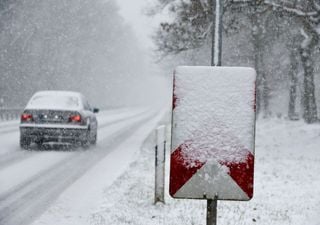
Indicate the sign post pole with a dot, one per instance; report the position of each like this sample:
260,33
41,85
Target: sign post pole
212,211
217,12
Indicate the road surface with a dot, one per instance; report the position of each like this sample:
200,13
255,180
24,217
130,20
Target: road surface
31,180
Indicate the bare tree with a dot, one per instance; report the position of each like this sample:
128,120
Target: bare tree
308,13
293,78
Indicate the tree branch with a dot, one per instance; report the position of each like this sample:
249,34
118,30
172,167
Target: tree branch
295,11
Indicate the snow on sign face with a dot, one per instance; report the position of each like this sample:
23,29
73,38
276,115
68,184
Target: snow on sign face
213,128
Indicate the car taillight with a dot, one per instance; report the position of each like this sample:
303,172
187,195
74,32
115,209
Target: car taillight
75,118
26,117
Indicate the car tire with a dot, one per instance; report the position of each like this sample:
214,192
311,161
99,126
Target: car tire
25,142
39,144
86,142
93,141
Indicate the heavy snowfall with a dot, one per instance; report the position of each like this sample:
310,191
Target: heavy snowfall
121,55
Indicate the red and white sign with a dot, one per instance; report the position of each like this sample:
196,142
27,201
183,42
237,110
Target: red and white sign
213,133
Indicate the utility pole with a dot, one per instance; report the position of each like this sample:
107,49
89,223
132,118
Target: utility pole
217,13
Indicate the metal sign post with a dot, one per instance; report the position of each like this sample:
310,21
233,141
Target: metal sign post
217,12
212,211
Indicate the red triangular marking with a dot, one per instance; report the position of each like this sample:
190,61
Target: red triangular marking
181,171
242,173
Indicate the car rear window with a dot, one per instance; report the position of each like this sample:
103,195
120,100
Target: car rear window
54,102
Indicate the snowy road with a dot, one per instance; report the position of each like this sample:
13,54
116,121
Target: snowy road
31,180
112,183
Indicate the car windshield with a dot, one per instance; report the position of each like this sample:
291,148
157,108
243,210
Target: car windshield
54,102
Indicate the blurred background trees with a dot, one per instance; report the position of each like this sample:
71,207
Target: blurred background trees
75,45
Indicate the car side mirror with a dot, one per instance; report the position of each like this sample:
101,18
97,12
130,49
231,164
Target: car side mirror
95,110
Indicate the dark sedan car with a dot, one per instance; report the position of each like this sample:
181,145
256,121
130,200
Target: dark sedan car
58,116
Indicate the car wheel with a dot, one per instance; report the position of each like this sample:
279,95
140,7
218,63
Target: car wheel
25,142
86,142
39,144
94,139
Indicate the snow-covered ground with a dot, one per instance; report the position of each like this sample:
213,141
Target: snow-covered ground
118,189
286,187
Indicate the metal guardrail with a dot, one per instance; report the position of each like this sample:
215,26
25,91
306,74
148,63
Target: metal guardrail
7,114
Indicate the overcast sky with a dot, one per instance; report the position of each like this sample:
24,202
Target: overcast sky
131,10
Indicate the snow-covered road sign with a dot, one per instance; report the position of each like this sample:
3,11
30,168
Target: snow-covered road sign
212,152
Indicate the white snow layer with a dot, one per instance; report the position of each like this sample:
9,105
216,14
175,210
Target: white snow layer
214,115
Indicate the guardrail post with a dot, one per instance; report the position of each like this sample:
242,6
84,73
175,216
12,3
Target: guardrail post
160,152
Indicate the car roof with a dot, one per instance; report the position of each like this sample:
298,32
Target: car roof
52,93
60,93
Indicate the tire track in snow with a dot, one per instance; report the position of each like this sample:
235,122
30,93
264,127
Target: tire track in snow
10,158
17,189
24,204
